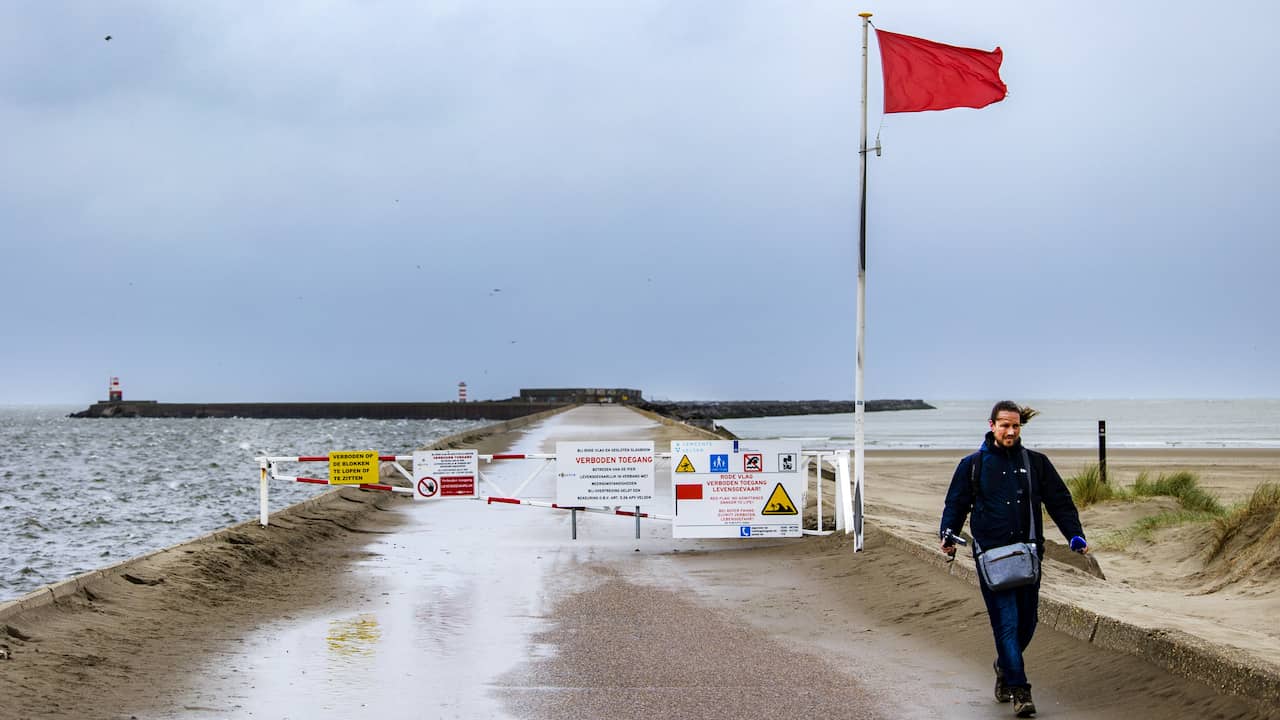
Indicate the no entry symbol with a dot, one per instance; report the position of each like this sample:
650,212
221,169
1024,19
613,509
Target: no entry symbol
427,487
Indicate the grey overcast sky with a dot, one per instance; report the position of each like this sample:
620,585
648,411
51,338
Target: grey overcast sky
342,200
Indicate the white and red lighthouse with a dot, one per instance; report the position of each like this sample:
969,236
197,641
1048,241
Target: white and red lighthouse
113,393
462,392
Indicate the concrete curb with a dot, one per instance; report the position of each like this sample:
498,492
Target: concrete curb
1172,650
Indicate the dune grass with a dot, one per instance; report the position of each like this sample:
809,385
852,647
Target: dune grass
1262,508
1182,485
1087,487
1145,528
1195,504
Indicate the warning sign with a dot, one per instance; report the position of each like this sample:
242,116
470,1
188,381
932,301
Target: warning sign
353,467
779,503
755,488
445,473
605,473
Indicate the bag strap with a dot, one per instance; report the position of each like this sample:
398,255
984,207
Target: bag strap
1031,509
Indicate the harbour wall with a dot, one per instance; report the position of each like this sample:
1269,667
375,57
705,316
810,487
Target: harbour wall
496,411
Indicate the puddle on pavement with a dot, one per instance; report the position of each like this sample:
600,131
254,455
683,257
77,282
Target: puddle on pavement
438,612
353,638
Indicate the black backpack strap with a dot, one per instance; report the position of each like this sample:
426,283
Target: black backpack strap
975,489
975,475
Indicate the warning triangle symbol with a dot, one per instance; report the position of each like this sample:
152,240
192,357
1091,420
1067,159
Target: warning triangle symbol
779,503
685,465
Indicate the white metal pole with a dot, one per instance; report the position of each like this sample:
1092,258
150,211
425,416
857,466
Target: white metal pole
262,492
858,401
817,471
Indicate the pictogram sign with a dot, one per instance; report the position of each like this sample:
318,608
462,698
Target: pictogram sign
718,495
779,503
719,462
427,487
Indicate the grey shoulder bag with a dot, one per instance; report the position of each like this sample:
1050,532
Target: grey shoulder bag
1008,566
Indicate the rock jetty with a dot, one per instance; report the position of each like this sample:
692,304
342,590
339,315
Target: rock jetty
703,411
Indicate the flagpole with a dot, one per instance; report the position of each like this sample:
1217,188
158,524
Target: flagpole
859,452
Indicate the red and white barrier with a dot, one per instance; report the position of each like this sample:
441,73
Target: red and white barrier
849,495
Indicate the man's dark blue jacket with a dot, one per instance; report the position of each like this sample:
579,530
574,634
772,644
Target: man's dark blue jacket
999,513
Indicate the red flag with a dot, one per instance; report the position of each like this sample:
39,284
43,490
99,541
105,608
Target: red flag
922,74
688,491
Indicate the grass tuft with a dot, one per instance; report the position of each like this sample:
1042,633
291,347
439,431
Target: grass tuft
1182,485
1263,507
1087,487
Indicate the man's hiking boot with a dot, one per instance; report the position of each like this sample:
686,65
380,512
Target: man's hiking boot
1003,693
1023,705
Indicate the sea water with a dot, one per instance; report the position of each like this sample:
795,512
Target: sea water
961,425
78,494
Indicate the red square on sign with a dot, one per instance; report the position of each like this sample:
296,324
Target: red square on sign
752,462
689,492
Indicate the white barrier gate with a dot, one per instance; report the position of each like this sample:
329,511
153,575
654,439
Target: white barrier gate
848,500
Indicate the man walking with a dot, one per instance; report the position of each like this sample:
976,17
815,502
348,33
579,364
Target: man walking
1001,489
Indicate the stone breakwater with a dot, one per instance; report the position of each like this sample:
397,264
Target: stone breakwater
481,410
704,412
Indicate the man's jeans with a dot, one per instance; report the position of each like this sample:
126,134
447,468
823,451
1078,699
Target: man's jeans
1013,616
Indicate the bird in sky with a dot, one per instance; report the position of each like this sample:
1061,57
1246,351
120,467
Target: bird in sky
107,38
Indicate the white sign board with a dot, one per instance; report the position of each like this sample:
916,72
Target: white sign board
609,472
445,473
737,488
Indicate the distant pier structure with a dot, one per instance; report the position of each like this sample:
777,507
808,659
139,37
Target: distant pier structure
582,395
530,401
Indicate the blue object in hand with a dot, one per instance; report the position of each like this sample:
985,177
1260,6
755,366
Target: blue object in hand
1078,544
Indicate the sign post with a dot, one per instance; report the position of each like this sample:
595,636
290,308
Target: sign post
607,473
737,488
353,467
445,473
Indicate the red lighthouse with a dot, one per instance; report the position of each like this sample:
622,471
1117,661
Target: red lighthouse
113,393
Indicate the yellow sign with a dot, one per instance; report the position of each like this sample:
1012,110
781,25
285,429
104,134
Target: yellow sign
353,467
685,465
779,503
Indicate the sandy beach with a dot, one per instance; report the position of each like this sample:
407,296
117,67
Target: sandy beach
361,604
1157,583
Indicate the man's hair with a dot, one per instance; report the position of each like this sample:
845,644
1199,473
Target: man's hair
1024,413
